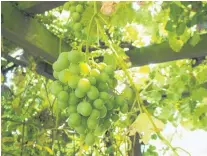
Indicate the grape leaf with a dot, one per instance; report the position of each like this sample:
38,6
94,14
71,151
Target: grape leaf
144,127
195,39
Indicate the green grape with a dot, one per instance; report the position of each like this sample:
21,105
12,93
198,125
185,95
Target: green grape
102,66
72,9
74,68
77,27
84,108
61,105
66,6
75,16
79,8
95,73
95,114
92,123
104,95
92,80
104,77
63,96
80,129
61,63
73,99
84,68
109,104
64,75
109,70
103,86
93,93
75,56
74,120
119,100
73,81
55,88
79,93
90,139
55,74
106,124
72,109
99,131
98,103
124,108
84,85
103,112
114,117
128,94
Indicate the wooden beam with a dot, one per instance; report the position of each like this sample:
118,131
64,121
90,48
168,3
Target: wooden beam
29,34
38,7
162,53
35,38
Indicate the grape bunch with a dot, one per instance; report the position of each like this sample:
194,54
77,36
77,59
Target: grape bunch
86,91
76,9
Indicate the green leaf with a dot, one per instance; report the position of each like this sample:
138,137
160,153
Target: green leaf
175,11
175,44
169,26
195,39
180,29
199,94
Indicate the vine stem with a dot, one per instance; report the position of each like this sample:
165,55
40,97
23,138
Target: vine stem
22,145
89,28
124,67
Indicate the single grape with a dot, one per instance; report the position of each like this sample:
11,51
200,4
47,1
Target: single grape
99,131
73,81
98,103
72,9
124,108
90,139
80,129
55,88
73,99
84,108
63,96
103,77
103,112
104,95
92,123
102,66
109,70
103,86
92,80
79,93
79,8
74,120
95,114
77,26
64,75
72,109
95,73
55,74
84,68
93,93
74,68
84,85
75,56
75,16
119,100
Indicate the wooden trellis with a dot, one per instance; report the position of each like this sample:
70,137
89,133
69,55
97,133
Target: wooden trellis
36,40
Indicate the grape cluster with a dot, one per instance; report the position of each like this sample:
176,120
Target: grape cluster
86,91
76,9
